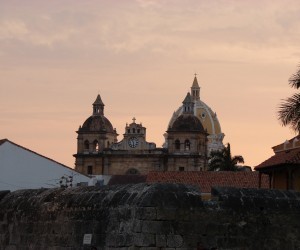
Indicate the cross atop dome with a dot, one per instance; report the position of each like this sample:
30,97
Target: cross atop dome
133,119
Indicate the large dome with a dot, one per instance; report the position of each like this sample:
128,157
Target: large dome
187,123
204,113
207,117
97,123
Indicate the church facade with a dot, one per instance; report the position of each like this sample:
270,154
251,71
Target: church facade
192,133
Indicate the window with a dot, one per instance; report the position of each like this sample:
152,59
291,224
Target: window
86,145
181,169
128,131
138,130
187,145
133,130
90,170
177,144
108,144
96,146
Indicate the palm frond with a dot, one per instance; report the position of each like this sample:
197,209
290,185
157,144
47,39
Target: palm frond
289,112
223,161
294,80
237,159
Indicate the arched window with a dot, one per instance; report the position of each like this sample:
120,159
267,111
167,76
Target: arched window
177,144
108,144
86,145
187,145
90,170
96,146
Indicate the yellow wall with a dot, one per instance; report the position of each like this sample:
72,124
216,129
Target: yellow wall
280,180
296,176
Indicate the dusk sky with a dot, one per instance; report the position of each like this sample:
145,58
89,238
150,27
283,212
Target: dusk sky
141,56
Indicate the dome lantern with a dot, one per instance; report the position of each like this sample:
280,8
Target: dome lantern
188,104
98,106
195,89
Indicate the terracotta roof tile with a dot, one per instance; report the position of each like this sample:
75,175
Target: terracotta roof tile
127,179
206,180
291,156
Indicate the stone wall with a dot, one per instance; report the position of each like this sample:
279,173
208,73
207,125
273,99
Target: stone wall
155,216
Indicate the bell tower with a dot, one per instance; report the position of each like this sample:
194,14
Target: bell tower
94,137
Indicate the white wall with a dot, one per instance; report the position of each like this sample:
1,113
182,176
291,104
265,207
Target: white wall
20,169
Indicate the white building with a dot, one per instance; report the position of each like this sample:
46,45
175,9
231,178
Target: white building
21,168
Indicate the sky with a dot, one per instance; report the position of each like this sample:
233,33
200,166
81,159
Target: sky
141,56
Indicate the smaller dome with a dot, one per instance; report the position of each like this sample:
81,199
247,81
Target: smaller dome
97,123
187,123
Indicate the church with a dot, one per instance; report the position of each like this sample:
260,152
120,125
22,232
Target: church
192,133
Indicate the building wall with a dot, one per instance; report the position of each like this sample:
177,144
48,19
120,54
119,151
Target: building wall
280,179
93,160
296,179
188,163
121,164
21,168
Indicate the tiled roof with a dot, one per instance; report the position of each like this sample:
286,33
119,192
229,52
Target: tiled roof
206,179
291,156
290,141
127,179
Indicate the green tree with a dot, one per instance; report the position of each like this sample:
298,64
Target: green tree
223,161
289,109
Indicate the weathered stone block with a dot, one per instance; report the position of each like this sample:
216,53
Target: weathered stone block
125,226
144,240
174,240
137,226
145,213
159,227
167,213
151,226
161,240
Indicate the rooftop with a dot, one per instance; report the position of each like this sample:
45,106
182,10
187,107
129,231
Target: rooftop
290,156
206,180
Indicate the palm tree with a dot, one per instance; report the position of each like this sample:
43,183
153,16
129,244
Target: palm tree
289,109
223,161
